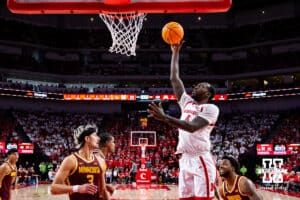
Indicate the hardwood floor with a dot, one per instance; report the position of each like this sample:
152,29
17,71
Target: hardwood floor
126,192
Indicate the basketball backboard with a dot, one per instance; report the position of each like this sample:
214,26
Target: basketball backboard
123,18
143,138
116,6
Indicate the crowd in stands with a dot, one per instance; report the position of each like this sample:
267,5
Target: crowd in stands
237,134
47,87
234,134
190,65
163,88
53,132
289,131
7,126
292,181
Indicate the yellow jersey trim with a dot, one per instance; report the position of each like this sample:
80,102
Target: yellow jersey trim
76,164
233,187
86,160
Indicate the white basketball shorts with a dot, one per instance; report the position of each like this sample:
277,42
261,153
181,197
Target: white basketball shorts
197,177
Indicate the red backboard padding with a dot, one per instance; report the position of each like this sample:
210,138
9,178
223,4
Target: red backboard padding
113,6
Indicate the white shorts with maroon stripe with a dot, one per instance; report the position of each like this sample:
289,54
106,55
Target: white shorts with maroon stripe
197,176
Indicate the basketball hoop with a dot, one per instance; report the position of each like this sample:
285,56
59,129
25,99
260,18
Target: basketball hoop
124,30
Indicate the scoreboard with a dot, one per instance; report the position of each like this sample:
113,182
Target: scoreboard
25,148
22,147
277,149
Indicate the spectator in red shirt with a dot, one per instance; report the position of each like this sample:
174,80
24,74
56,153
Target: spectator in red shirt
121,164
294,183
110,162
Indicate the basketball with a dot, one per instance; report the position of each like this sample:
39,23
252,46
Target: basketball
172,33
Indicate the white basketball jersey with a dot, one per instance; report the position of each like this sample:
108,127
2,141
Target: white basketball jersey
194,143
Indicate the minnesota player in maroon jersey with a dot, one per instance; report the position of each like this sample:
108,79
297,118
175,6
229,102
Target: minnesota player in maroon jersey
106,146
8,173
82,170
234,186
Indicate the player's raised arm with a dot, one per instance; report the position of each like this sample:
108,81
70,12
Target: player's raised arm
176,82
158,113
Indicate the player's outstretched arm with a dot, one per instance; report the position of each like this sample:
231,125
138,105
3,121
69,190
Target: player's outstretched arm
157,112
249,189
176,82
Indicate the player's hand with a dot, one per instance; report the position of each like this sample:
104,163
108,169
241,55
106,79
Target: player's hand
175,48
87,189
156,111
110,189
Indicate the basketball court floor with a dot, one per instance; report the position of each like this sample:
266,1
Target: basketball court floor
126,192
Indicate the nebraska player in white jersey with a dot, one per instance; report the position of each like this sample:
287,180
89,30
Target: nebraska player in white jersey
197,174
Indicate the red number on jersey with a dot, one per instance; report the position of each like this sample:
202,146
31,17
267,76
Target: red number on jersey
187,118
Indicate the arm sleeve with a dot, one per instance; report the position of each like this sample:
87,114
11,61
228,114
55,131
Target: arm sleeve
209,112
185,98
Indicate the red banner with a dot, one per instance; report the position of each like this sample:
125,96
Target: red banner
293,148
101,97
26,148
277,149
167,97
264,149
143,176
220,97
2,147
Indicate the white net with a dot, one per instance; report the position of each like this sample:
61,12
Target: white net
124,29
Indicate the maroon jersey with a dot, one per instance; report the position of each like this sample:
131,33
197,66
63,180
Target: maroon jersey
6,183
235,193
85,172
